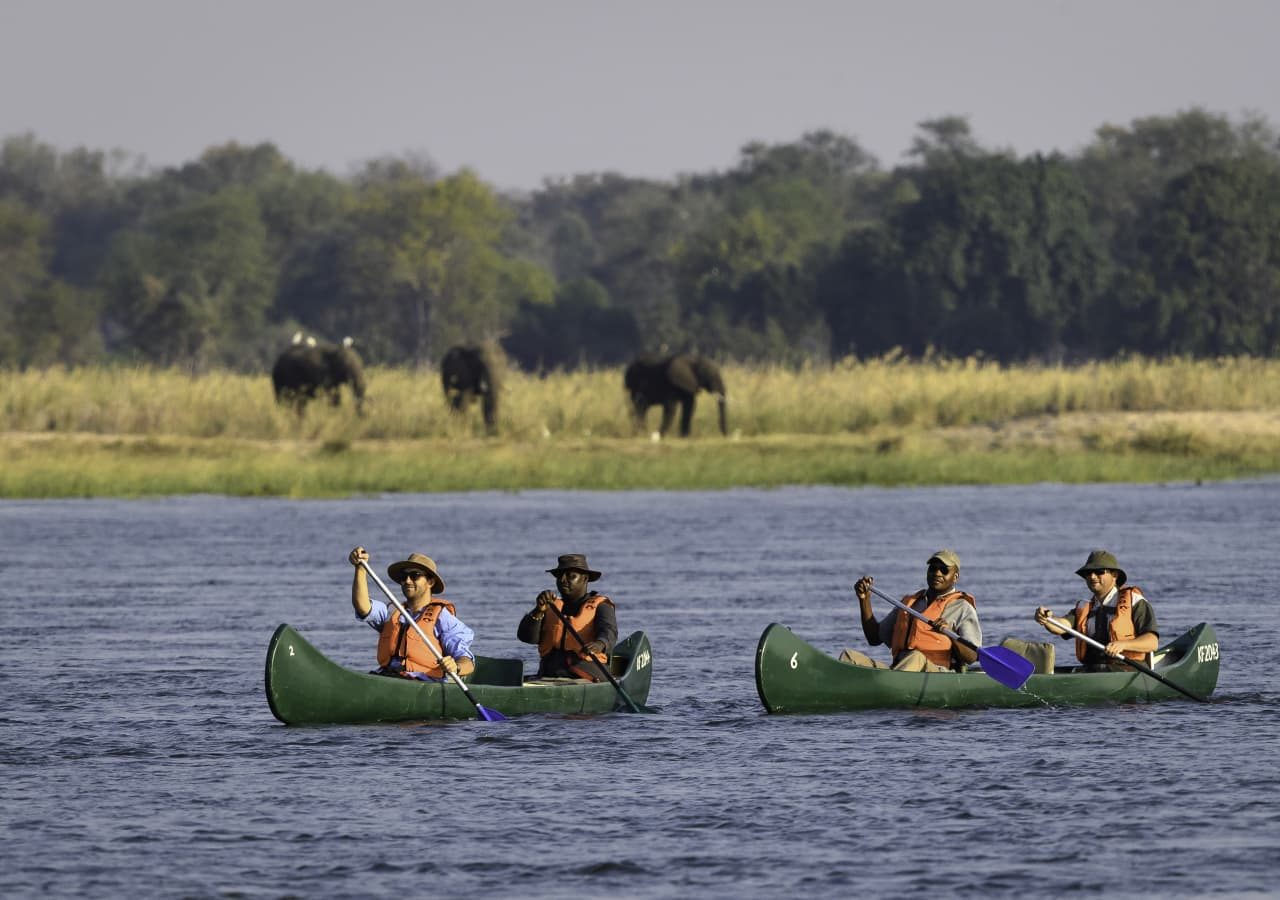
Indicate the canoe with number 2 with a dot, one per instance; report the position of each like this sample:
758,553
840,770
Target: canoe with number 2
306,687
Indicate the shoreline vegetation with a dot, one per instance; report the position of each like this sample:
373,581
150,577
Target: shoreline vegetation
136,432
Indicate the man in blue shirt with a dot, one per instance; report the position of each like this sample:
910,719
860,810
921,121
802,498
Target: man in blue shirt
401,650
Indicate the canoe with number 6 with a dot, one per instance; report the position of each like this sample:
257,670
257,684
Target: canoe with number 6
793,676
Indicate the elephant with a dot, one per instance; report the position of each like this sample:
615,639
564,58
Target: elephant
469,372
308,367
672,380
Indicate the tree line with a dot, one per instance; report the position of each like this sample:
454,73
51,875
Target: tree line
1161,237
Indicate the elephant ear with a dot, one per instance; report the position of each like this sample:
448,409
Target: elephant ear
681,375
708,374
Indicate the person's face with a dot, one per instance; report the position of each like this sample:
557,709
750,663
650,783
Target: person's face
1100,582
571,584
940,577
416,586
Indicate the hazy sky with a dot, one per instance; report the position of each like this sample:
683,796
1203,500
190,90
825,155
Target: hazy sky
524,89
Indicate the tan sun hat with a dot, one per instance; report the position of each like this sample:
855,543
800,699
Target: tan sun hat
422,563
574,561
1102,559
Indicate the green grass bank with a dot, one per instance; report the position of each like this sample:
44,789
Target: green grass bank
143,432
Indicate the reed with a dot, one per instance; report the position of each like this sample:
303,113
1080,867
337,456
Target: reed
136,431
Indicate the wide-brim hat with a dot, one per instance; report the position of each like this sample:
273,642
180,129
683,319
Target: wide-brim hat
574,562
1099,560
422,563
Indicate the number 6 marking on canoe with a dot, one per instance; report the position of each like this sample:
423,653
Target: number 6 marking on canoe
794,663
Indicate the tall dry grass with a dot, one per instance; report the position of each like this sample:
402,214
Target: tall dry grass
848,398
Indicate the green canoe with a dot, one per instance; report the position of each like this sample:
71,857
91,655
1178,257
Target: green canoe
795,677
306,687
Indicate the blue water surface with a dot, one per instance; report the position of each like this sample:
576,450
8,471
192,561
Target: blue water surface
139,757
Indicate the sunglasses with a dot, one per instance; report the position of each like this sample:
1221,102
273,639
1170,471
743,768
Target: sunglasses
414,575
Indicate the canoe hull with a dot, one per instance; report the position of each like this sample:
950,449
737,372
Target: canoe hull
792,676
306,687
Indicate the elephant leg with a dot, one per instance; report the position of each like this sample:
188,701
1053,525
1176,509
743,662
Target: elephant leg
668,416
686,415
490,408
638,410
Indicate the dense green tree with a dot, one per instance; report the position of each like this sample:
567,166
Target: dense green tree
944,141
745,275
43,320
415,267
1126,168
997,256
193,287
581,328
1207,276
857,290
621,232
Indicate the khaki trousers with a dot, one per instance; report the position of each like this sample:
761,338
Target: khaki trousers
911,661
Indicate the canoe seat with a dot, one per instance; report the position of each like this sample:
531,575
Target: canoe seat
1040,653
497,671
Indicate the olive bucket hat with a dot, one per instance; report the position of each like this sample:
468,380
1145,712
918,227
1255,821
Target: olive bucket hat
422,563
1099,560
574,561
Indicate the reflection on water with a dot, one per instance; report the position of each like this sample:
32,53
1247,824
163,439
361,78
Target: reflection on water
140,756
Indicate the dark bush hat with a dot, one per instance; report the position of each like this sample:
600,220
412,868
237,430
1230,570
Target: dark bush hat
1101,559
422,563
948,558
574,562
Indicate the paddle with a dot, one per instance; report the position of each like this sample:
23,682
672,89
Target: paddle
1004,665
635,707
488,715
1144,669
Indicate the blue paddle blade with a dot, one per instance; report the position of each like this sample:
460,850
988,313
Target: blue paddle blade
1005,666
490,715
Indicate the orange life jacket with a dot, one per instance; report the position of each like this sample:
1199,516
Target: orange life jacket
556,637
1120,628
909,633
400,639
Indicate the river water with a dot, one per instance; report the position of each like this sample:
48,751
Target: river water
139,756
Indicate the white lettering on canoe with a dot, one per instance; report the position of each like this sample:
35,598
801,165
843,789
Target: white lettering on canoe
291,649
642,659
1207,653
794,663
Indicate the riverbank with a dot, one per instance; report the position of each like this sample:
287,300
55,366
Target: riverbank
1069,448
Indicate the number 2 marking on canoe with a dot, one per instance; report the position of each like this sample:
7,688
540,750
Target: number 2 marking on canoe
794,663
1207,652
291,649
